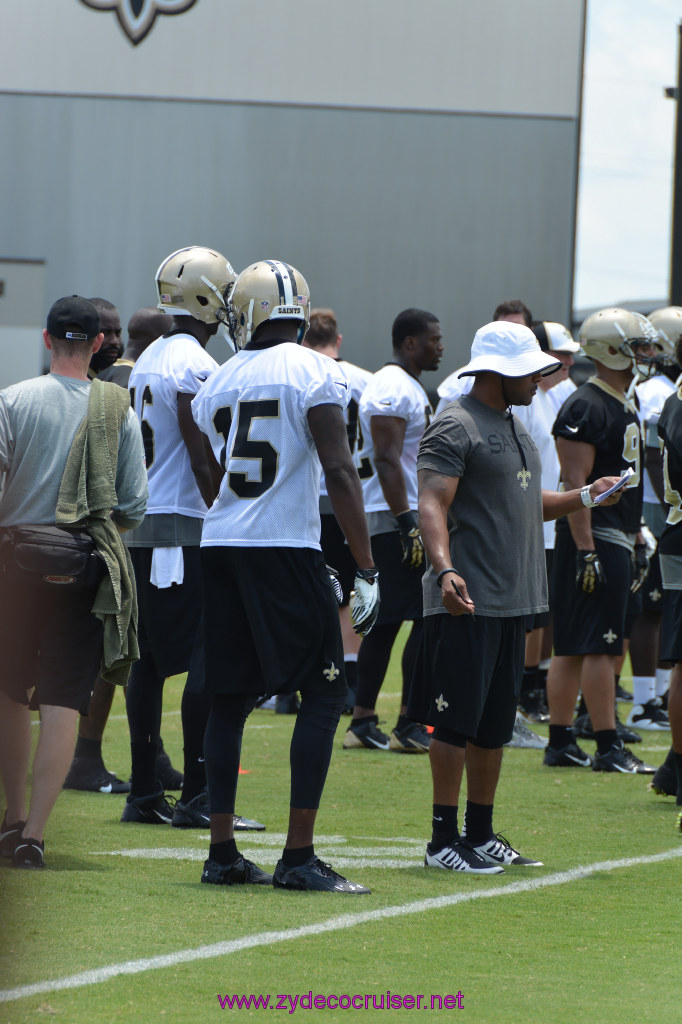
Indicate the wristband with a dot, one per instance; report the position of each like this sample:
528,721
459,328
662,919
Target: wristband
443,572
586,498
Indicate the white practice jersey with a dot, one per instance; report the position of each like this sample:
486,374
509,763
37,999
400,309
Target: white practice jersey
254,410
357,382
538,419
391,392
172,365
652,395
453,387
560,392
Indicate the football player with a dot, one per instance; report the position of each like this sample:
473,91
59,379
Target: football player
271,618
598,433
193,285
323,336
394,412
670,550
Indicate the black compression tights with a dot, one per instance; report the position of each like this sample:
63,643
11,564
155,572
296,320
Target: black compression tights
374,656
144,700
310,752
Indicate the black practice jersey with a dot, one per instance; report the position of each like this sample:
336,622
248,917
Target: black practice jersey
598,415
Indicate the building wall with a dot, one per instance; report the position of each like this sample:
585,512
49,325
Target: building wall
395,159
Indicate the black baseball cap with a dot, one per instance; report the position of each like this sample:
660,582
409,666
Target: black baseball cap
74,319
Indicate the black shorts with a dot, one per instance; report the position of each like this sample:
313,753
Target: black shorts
468,677
169,617
400,587
271,622
589,623
337,553
49,640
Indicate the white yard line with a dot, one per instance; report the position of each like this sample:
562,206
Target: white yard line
343,921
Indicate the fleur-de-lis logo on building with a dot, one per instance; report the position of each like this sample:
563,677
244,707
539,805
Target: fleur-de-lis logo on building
136,17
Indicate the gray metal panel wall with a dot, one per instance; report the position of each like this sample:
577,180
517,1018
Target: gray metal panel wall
380,210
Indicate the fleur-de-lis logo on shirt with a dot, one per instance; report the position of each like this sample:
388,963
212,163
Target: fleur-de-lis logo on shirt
523,476
330,673
136,17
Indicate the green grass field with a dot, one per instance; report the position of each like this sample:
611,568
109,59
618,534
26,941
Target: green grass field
592,936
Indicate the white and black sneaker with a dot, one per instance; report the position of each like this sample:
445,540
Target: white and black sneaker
461,856
499,850
619,759
650,716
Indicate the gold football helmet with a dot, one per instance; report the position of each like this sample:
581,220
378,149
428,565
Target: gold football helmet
668,323
195,282
613,337
268,290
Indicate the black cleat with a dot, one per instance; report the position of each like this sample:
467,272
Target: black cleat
149,810
168,776
239,872
582,727
29,853
570,756
314,876
89,775
619,759
10,835
664,781
196,814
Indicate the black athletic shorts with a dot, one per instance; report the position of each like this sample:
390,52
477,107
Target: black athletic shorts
400,587
589,623
169,617
468,676
271,622
337,553
50,640
671,623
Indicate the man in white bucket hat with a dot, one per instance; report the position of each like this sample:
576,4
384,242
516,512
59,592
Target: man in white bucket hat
481,508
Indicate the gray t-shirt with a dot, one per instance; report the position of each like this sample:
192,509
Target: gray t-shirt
38,422
495,521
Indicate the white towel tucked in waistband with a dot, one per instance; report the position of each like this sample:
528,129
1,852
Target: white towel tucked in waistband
168,567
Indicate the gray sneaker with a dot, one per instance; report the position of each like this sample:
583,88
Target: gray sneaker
524,735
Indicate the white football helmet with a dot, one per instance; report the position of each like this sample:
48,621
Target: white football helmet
195,282
613,337
668,323
268,290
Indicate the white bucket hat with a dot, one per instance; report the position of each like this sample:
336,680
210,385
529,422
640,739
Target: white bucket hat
509,349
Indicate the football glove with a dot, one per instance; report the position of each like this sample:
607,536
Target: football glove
589,575
640,567
364,600
336,584
410,540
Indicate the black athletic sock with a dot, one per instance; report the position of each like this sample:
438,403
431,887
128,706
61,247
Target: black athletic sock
678,769
605,739
88,748
365,718
443,826
560,736
478,820
296,858
223,853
